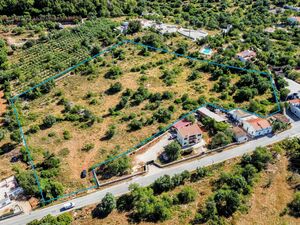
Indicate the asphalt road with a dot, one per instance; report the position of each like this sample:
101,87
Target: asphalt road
293,86
155,173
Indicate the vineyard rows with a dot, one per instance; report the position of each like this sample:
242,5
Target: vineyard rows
62,50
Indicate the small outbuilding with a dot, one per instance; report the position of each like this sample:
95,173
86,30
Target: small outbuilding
203,111
239,134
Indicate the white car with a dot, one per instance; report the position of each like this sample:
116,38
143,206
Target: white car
68,205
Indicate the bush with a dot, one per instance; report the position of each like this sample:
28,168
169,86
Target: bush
134,26
15,136
135,125
2,135
259,159
33,129
49,121
114,88
67,135
162,184
117,167
88,147
107,205
194,75
114,73
110,132
227,202
63,219
221,139
163,115
200,173
173,150
186,195
294,206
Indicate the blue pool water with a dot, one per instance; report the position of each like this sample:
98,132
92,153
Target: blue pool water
206,51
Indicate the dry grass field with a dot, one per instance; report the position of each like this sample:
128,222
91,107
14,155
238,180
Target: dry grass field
74,89
264,204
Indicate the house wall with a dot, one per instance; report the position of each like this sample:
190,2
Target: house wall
296,110
241,119
255,133
187,142
241,139
242,59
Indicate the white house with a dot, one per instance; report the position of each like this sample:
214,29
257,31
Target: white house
166,28
246,55
189,135
290,7
240,115
193,34
294,105
257,127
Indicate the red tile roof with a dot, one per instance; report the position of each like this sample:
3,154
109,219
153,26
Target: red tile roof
295,101
281,117
247,54
181,123
239,132
190,130
259,123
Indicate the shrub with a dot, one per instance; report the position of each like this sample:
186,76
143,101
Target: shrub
186,195
67,135
117,167
294,206
15,136
49,121
110,132
88,147
167,95
200,173
162,184
114,73
33,129
2,135
163,115
194,75
134,26
173,150
114,88
107,205
135,125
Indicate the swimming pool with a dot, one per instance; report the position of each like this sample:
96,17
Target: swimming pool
206,51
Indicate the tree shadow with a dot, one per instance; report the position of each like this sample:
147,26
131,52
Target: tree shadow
97,213
7,147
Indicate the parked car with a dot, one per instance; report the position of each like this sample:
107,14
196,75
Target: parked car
83,174
173,136
14,159
68,205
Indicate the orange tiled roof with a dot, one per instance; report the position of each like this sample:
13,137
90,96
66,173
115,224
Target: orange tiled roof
247,54
193,129
295,101
259,123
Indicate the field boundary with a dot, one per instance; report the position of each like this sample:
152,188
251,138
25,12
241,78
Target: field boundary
13,99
